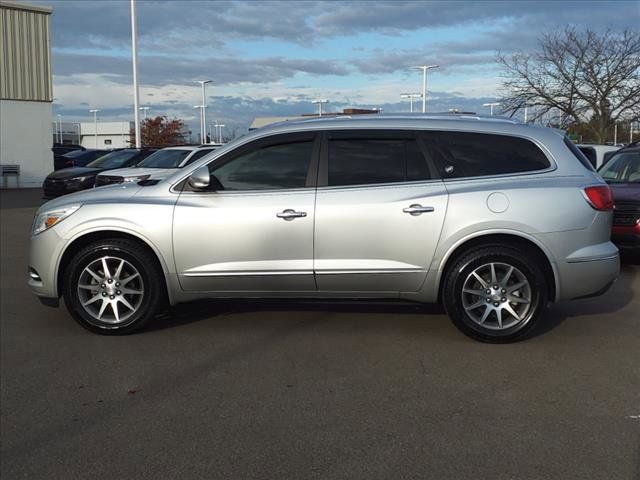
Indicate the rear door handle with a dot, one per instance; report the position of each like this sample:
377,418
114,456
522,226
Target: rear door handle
417,209
290,214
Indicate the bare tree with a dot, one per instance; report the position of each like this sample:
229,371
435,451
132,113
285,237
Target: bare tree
586,78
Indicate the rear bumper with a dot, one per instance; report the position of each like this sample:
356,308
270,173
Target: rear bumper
588,278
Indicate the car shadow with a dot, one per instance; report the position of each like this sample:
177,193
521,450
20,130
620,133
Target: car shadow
619,296
206,309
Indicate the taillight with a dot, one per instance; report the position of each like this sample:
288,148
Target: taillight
599,197
69,163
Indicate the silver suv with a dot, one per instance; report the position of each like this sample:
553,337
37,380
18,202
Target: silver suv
488,216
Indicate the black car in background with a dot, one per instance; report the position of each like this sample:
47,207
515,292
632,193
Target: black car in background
59,150
68,180
77,158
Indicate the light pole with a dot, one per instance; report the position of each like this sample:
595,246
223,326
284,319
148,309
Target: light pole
491,105
320,102
95,127
59,117
203,115
630,131
424,69
202,134
218,132
78,130
410,96
615,133
134,60
145,110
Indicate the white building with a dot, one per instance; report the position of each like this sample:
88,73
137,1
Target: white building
25,94
105,134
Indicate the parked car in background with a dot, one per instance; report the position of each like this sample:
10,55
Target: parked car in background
67,180
598,154
77,158
156,166
622,173
59,150
490,216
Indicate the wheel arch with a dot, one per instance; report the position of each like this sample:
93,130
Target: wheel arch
500,238
85,238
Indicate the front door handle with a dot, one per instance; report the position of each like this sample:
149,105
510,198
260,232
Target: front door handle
290,214
417,209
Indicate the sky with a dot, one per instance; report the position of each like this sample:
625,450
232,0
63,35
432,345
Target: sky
273,58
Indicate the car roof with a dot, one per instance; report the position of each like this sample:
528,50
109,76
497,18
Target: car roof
429,121
183,147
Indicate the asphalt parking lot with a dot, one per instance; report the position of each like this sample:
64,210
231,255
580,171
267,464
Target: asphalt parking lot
306,390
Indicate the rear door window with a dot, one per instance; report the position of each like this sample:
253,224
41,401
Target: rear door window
470,154
365,161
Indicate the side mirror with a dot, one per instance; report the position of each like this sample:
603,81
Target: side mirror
199,179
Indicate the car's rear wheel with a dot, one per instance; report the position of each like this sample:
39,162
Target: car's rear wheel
495,293
113,286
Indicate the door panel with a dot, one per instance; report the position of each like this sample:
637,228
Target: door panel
364,241
236,241
256,232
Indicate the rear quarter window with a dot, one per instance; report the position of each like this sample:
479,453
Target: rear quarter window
470,154
579,155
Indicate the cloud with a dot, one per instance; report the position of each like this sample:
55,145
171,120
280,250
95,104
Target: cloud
273,57
160,70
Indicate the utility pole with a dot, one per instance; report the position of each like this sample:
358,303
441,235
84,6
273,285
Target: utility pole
134,60
424,69
410,96
320,102
95,126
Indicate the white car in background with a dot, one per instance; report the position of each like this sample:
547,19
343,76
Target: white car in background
598,154
156,166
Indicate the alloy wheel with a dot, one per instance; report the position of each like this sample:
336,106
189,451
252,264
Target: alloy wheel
110,289
497,296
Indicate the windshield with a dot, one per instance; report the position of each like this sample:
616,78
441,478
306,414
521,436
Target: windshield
164,159
622,168
78,153
113,159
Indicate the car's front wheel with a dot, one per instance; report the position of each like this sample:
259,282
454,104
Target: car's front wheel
113,286
495,293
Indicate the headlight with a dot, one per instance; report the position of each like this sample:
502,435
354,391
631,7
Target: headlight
139,178
79,179
48,219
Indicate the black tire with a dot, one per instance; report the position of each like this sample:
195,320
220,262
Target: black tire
479,259
136,256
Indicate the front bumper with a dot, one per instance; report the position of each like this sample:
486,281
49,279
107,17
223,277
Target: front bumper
44,253
53,188
626,237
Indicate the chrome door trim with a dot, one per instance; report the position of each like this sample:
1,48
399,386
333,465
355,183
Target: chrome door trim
248,273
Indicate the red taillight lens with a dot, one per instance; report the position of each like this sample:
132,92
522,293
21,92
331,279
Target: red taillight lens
69,163
599,197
